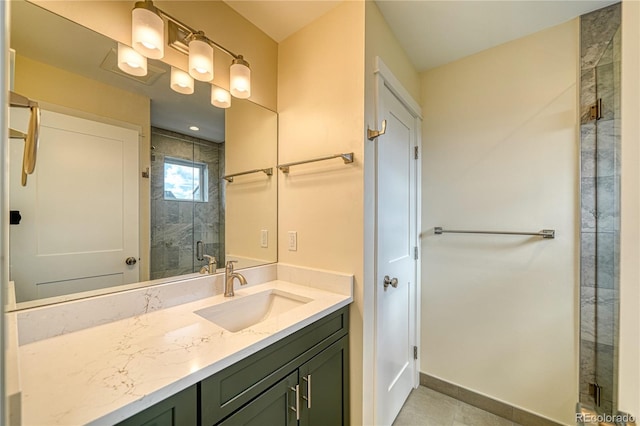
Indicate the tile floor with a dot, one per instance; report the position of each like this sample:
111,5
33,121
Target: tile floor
426,407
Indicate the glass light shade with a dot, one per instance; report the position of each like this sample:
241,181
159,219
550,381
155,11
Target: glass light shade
147,31
240,78
220,97
181,81
200,60
131,61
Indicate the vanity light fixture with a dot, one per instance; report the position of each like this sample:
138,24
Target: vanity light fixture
147,30
131,61
200,57
147,35
181,81
240,78
220,97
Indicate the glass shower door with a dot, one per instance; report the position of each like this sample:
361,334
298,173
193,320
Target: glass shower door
187,203
600,197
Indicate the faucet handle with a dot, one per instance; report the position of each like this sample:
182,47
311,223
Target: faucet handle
230,264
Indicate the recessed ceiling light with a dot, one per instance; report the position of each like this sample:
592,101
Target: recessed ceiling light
194,128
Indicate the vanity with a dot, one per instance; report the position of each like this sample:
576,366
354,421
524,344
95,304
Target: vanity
181,353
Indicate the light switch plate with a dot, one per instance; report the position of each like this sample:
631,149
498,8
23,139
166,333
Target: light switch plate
293,241
264,238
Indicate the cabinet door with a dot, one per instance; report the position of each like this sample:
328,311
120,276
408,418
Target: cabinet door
275,407
324,387
180,409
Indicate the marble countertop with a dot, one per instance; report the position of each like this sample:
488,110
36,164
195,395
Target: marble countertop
107,373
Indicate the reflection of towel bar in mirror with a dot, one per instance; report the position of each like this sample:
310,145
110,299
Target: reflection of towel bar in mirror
32,135
347,158
545,233
268,172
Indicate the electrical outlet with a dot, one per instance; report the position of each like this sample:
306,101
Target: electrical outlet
264,238
293,241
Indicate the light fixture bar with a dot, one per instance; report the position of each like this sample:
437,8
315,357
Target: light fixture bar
183,40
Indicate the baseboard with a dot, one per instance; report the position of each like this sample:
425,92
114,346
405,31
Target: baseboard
485,403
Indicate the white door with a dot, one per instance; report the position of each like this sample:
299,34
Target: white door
79,209
396,263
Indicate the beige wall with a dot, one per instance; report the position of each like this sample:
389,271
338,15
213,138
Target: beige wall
219,22
379,42
500,314
61,88
321,112
629,349
251,203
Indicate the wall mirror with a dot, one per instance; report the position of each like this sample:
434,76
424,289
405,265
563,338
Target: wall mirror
130,187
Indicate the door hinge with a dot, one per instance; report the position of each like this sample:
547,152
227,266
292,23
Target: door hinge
415,352
415,252
595,110
415,152
595,390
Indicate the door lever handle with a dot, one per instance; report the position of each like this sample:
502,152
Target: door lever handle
393,282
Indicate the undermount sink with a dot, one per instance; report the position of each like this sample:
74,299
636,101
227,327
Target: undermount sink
244,311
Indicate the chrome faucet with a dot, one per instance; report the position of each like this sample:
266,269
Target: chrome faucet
229,276
211,267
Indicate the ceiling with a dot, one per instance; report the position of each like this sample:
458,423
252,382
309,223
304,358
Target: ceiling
432,32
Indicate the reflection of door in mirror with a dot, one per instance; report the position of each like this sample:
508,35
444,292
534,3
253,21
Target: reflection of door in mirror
76,232
187,202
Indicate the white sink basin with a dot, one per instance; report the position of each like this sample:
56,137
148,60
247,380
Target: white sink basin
245,311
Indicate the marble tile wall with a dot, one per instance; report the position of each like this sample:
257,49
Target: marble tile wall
600,211
176,226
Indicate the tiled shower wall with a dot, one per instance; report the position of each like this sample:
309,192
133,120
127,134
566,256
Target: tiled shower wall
600,200
176,226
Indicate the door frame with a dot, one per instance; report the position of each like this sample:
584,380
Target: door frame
384,77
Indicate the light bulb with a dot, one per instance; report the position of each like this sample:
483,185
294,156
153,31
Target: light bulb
147,30
181,82
200,58
220,97
240,78
131,61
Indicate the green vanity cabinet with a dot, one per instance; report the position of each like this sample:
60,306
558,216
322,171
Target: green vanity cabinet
324,387
273,407
302,380
319,347
178,410
318,391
